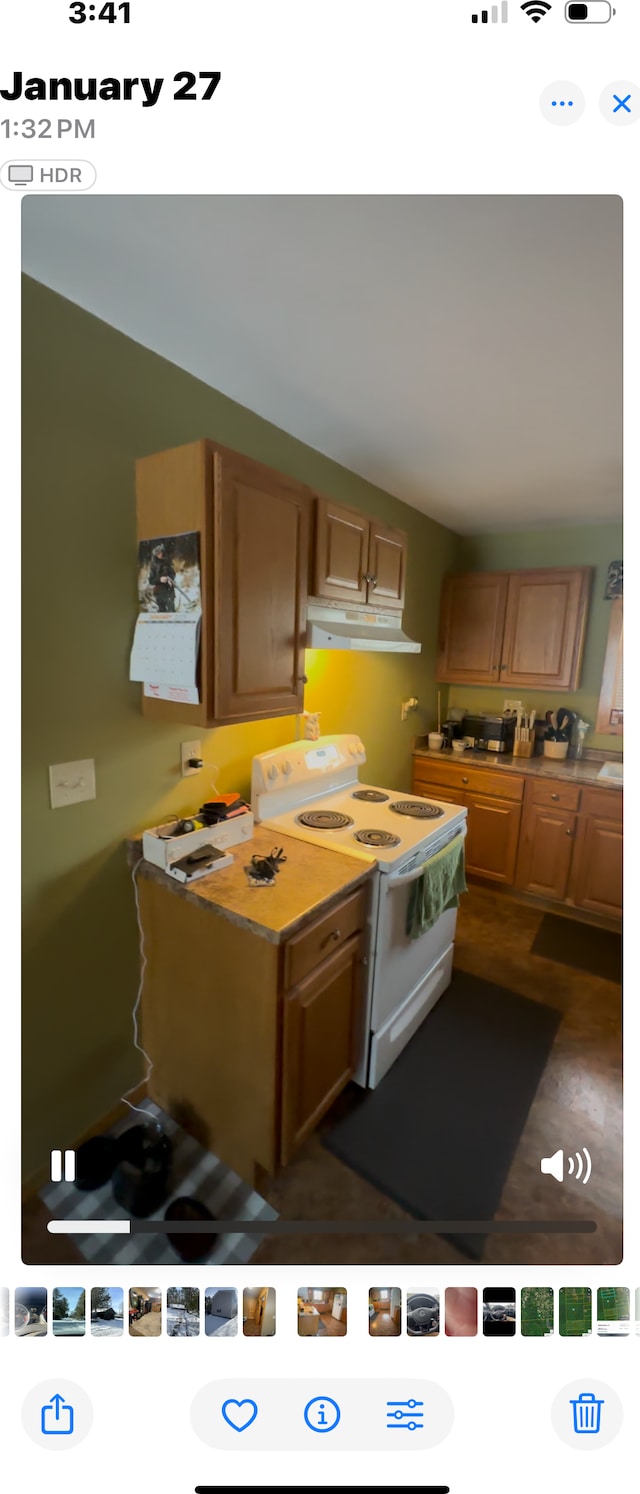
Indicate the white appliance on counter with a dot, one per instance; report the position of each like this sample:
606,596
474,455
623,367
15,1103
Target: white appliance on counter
312,791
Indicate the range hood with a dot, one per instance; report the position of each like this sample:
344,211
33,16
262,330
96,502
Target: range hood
365,631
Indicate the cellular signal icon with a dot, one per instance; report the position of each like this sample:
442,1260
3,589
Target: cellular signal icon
483,15
536,10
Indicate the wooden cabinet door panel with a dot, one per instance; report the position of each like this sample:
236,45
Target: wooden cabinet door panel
386,565
546,848
493,827
472,613
322,1020
544,628
261,563
597,880
341,552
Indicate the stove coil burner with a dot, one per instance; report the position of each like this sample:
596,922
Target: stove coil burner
417,811
324,819
370,796
377,838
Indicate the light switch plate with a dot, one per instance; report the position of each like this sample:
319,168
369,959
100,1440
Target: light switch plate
72,783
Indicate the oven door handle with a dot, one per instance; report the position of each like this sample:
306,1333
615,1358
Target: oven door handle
404,881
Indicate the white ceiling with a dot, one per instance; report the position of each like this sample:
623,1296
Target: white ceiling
463,353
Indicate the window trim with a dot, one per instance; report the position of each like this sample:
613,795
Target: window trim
610,674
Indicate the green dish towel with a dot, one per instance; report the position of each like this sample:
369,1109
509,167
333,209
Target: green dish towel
438,889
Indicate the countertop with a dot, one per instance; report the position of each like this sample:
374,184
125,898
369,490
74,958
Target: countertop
571,770
310,878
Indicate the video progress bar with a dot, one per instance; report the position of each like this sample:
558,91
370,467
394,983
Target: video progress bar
322,1227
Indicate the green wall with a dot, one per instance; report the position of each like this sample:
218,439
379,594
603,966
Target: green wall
587,544
93,401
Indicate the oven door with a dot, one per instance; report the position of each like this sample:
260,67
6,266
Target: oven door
402,963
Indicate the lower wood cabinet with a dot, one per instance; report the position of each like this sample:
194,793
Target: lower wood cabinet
596,882
251,1040
546,850
493,827
549,837
320,1042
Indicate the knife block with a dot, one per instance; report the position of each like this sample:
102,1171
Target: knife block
524,749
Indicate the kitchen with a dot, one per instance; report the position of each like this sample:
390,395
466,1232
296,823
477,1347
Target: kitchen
327,517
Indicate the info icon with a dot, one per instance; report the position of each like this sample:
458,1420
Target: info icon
562,103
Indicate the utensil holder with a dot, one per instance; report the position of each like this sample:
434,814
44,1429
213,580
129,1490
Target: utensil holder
555,749
524,748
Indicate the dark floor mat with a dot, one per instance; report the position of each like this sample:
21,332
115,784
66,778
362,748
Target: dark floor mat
597,951
439,1133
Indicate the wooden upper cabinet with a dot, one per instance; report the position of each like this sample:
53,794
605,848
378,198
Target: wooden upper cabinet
341,552
357,559
260,570
545,627
472,614
254,527
519,628
387,565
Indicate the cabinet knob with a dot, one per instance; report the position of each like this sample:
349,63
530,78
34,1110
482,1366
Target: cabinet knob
374,582
568,832
503,666
464,779
305,680
335,934
555,796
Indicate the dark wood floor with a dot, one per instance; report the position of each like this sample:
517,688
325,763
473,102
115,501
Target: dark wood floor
578,1103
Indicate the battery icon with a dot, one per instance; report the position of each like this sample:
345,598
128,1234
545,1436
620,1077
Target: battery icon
589,12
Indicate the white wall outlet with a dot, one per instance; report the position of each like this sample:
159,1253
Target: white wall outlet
513,705
188,750
72,783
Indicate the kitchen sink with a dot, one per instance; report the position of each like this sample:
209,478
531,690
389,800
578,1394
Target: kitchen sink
613,772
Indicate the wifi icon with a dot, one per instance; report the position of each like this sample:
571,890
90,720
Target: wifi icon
536,10
555,1165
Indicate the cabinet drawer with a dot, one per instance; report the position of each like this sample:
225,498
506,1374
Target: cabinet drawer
554,794
314,943
428,790
605,803
477,780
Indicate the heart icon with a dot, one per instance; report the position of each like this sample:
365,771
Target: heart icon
239,1414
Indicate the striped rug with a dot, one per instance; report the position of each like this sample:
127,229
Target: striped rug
195,1172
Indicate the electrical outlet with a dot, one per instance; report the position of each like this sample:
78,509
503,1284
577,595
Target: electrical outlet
187,750
72,783
513,705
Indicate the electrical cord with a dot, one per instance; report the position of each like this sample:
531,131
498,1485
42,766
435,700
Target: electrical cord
136,1005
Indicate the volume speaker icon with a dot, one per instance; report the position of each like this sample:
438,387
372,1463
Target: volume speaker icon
536,10
555,1166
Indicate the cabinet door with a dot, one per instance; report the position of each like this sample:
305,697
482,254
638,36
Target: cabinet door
322,1030
546,849
544,628
386,566
261,540
341,552
493,827
597,879
472,613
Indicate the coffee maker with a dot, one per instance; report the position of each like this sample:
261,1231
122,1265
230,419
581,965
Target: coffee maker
451,730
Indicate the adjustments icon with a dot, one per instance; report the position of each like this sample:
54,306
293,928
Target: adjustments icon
406,1414
562,103
322,1414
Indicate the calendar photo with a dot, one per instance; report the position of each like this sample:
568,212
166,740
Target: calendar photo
169,574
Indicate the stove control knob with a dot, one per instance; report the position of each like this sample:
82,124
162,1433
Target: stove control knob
359,747
286,768
353,749
272,772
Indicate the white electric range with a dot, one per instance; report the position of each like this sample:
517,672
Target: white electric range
312,791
